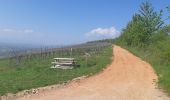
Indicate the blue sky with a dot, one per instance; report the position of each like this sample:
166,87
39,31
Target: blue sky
53,22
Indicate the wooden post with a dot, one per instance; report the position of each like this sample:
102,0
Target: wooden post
71,52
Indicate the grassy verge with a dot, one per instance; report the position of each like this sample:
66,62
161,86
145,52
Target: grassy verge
155,56
37,72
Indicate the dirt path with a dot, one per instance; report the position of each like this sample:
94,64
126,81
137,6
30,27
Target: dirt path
127,78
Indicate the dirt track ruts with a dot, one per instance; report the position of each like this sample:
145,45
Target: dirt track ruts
126,78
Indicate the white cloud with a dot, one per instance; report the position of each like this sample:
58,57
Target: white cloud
25,36
9,30
28,31
103,33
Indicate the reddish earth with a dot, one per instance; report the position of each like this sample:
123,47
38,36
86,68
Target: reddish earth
126,78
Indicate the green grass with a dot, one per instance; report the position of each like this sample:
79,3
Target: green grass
154,55
37,72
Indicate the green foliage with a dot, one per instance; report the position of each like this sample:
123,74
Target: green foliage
151,19
143,26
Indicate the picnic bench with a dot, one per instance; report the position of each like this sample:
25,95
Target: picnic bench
63,63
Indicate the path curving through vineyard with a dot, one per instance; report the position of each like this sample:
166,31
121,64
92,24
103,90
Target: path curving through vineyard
126,78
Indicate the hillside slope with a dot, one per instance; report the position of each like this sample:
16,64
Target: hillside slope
127,78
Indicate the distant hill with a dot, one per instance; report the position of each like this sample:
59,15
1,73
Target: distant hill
6,48
104,40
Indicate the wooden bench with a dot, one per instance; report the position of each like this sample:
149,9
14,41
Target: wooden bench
63,63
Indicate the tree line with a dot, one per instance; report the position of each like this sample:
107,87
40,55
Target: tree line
143,27
147,29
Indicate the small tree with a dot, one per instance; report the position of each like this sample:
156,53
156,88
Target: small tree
143,26
151,19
